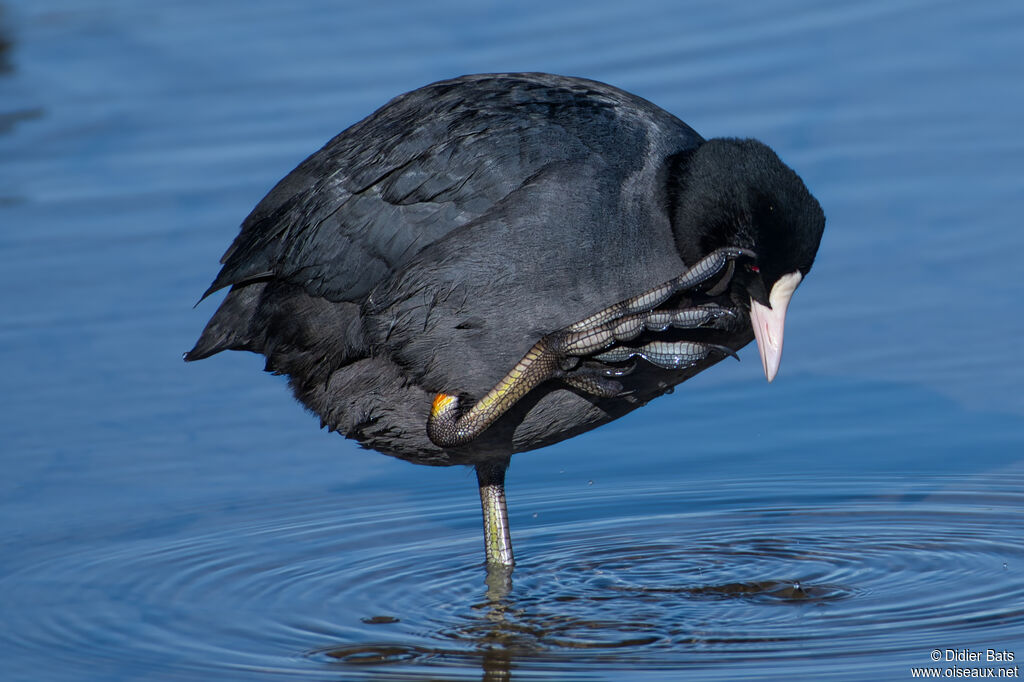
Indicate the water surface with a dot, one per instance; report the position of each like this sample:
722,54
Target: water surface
164,521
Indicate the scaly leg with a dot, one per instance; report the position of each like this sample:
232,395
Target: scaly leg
665,354
497,539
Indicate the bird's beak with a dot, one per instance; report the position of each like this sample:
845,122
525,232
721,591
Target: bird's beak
770,321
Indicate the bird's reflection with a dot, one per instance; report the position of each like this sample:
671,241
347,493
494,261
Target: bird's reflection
493,639
497,660
499,584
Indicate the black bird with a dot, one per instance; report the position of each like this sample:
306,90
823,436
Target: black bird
498,262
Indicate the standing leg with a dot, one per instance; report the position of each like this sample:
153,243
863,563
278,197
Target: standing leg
497,540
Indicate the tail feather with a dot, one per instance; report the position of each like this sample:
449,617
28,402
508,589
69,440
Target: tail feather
306,337
230,327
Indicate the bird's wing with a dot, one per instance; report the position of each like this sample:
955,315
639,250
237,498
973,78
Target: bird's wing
422,166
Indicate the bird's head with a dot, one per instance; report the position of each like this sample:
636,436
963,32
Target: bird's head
739,193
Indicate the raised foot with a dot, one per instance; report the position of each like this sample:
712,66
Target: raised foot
449,425
596,380
666,354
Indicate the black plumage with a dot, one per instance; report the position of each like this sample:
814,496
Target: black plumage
427,248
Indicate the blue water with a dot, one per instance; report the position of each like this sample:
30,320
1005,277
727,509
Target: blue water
163,521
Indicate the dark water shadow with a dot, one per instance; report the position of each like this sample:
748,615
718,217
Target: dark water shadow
9,119
6,43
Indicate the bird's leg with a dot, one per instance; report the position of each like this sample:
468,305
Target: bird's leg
497,539
447,429
448,426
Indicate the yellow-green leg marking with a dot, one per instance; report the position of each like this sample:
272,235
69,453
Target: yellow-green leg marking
497,539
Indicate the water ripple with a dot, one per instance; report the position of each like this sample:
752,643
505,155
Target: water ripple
736,573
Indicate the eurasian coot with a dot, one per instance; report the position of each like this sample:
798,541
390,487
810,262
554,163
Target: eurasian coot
497,262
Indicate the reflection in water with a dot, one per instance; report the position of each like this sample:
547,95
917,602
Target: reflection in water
495,639
504,629
784,577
